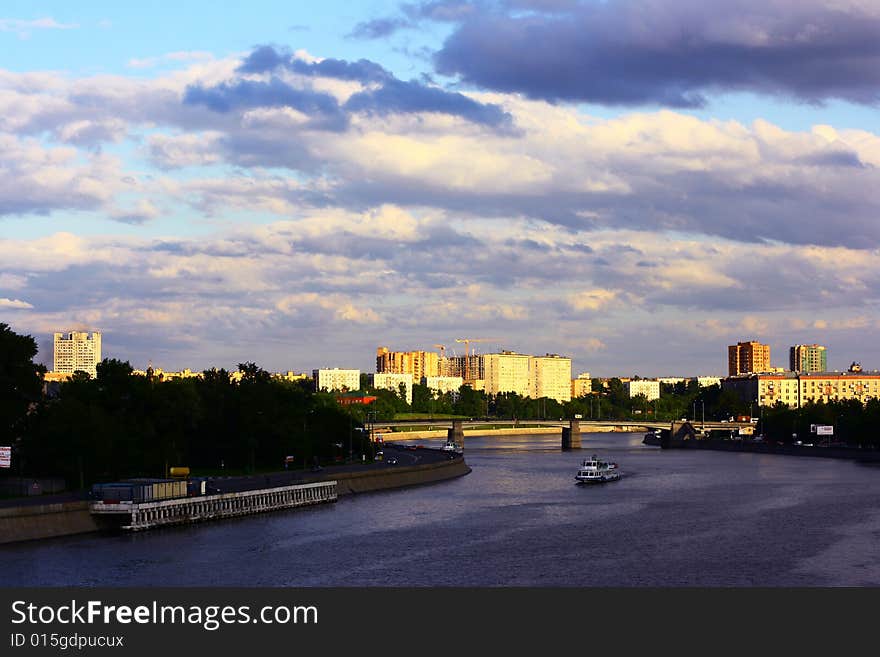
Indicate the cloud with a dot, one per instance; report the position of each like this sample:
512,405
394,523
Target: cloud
674,53
382,94
177,56
14,304
24,26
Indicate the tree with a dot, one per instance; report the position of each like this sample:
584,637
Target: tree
21,382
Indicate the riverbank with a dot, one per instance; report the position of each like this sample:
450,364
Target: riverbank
40,521
818,451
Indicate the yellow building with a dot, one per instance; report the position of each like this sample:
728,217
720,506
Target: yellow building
796,390
581,386
77,352
418,363
550,377
507,372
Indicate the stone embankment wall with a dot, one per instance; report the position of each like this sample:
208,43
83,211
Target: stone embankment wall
23,523
348,483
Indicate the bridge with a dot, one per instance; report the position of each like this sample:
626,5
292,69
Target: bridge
570,428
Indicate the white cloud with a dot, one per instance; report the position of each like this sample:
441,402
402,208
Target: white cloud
14,304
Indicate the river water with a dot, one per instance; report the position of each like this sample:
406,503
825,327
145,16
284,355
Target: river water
676,518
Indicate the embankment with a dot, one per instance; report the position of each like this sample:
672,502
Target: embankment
37,521
24,523
819,451
398,477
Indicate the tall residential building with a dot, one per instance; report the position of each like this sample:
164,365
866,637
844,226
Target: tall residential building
550,377
507,372
808,358
582,385
418,363
77,351
392,381
650,389
337,379
747,357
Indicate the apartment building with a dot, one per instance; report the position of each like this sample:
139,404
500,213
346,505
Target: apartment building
330,380
650,389
507,372
439,385
808,358
550,377
747,357
797,389
392,381
77,351
582,385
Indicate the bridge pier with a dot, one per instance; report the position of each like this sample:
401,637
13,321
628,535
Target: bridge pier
456,433
571,435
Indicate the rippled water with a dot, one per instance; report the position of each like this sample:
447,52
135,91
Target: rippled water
676,518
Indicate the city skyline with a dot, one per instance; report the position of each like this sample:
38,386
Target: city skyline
295,186
373,364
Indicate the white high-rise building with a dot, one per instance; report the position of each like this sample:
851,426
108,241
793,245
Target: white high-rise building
507,372
336,379
550,377
77,351
392,381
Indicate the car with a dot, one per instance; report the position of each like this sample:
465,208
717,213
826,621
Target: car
391,461
316,468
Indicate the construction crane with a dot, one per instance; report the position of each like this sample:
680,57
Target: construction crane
467,353
442,348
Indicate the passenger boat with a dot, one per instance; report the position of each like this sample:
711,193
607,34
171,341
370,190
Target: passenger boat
596,471
453,447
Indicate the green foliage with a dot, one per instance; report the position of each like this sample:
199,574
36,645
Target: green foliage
119,425
21,382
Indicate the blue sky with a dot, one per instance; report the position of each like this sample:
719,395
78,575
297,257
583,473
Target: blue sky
298,183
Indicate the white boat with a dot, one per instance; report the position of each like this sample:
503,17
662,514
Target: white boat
596,471
452,447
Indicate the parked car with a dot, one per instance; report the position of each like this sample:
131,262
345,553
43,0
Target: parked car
391,461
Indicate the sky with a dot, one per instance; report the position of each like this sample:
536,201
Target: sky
635,184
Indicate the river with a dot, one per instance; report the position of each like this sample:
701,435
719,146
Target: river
676,518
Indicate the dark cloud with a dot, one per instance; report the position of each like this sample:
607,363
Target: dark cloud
379,28
392,96
396,96
631,52
321,108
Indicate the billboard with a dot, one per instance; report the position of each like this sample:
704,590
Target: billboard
5,457
824,430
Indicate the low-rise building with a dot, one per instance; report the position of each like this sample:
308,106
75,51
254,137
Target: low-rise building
647,387
798,389
328,380
393,382
440,385
582,385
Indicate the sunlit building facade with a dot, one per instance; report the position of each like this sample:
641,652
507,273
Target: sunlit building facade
550,377
748,357
77,351
392,381
328,380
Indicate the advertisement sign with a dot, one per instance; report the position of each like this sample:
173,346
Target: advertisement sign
5,457
824,430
